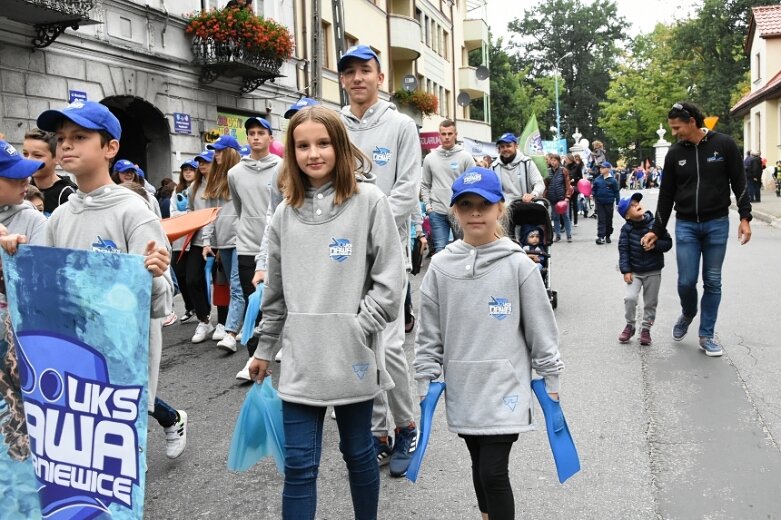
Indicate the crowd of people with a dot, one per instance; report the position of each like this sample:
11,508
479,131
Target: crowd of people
329,231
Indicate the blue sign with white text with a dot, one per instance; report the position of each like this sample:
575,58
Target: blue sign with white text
76,95
182,123
77,356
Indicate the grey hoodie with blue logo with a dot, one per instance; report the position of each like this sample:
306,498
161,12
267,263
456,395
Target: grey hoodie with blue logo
390,141
111,219
249,183
440,168
486,319
519,177
334,282
25,220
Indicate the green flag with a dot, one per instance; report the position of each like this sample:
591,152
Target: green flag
531,144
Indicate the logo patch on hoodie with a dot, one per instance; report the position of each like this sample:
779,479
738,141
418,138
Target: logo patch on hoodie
510,401
500,308
360,370
105,246
340,249
381,156
682,162
716,157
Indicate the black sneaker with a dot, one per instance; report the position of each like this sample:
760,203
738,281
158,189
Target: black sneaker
404,444
607,239
600,241
383,451
188,315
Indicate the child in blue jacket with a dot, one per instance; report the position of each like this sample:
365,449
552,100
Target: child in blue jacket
605,190
641,267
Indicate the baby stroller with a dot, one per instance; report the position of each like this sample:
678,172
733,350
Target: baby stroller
526,216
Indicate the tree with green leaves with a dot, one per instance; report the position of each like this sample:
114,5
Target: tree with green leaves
586,40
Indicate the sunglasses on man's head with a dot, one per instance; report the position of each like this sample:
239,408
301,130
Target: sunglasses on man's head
680,108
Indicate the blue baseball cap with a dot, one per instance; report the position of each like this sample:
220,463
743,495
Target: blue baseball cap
298,105
124,165
225,141
140,172
606,164
206,156
192,163
623,204
258,121
361,52
87,114
480,181
507,138
245,150
13,165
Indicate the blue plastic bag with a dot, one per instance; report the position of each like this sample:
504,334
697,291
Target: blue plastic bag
208,272
258,432
427,407
253,308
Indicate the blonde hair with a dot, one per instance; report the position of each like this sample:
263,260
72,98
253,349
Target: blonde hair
217,181
597,144
349,159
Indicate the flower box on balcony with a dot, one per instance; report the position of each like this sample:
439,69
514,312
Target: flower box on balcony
233,42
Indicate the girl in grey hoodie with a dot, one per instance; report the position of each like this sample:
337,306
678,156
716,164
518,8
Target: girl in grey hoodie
333,284
486,320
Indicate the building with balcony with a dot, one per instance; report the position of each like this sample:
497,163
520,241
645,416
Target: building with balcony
760,108
170,95
429,40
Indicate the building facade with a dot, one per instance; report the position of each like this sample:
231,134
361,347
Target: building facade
135,57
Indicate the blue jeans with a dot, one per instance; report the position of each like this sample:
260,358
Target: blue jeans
440,230
557,223
709,241
303,445
236,308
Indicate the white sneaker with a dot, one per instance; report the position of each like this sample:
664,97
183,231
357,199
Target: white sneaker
228,343
170,320
176,436
243,374
219,332
201,331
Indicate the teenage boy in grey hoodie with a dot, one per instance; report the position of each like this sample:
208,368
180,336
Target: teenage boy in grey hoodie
390,140
16,214
104,217
249,183
440,168
519,175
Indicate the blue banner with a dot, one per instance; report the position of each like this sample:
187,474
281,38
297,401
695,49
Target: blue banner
76,353
559,147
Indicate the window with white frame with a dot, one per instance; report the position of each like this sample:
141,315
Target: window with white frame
255,5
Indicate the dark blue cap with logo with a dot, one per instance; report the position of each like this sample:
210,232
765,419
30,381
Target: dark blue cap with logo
606,164
206,156
257,121
124,165
190,164
298,105
507,138
87,114
361,52
225,141
623,204
480,181
13,165
245,150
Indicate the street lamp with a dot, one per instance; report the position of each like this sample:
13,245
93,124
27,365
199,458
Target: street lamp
556,73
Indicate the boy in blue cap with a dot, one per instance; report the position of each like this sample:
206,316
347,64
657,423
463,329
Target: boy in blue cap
606,191
102,216
17,215
642,269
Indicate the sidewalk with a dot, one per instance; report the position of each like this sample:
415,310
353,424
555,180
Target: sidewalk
769,210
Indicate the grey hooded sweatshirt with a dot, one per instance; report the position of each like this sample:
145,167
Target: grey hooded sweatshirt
221,234
249,183
195,202
112,219
519,177
25,220
390,141
334,282
486,319
440,168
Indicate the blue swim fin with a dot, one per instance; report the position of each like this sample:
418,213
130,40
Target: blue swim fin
427,407
561,444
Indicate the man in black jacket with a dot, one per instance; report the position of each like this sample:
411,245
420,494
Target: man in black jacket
754,176
699,171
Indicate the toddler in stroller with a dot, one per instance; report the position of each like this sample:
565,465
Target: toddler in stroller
534,247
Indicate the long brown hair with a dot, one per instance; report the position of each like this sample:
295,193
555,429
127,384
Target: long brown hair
349,159
182,184
217,185
197,180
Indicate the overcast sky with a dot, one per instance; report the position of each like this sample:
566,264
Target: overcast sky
643,15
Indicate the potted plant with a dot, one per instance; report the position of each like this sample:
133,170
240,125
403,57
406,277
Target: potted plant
235,42
417,102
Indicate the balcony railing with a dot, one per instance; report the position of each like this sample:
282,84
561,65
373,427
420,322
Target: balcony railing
49,17
230,59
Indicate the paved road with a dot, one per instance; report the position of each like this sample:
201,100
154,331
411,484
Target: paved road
663,432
